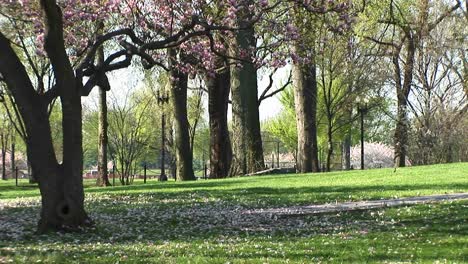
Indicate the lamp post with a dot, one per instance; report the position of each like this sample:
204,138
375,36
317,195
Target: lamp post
163,99
113,173
144,172
362,110
277,154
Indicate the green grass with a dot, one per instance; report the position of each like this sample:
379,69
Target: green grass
203,221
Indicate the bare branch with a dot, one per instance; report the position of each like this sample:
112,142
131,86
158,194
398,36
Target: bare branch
265,94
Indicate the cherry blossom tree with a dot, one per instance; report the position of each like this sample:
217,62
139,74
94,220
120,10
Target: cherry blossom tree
65,40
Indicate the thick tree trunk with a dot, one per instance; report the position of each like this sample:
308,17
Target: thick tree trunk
184,157
220,145
305,100
61,192
247,147
61,186
70,209
72,206
55,211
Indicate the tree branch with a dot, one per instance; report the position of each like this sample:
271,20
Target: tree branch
282,88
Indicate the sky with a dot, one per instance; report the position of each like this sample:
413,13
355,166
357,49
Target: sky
124,81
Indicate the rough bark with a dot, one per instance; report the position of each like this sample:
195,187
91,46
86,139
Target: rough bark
305,101
247,147
220,145
184,157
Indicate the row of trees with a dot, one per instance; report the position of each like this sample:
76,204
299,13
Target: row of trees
134,118
408,59
54,52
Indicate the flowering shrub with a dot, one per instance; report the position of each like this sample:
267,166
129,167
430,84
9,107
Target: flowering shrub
376,155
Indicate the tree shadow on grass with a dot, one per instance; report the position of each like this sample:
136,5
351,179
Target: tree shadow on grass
317,236
280,196
21,187
163,186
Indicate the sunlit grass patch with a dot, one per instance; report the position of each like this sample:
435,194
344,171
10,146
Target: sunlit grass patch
204,221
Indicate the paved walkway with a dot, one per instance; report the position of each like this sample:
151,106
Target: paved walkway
361,205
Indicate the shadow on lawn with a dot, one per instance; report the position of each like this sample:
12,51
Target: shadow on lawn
300,243
163,186
338,252
287,196
21,187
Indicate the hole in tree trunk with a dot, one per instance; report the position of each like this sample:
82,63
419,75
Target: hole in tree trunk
63,209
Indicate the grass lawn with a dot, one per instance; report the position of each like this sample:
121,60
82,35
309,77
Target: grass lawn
204,221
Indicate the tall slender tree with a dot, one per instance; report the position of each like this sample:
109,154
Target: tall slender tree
103,141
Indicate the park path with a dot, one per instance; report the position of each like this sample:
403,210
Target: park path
359,205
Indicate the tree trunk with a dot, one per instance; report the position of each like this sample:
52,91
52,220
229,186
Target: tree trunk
103,174
330,145
32,177
247,147
401,134
305,101
184,157
56,211
347,138
403,90
72,207
163,176
61,186
12,160
61,191
347,150
220,145
449,154
2,138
